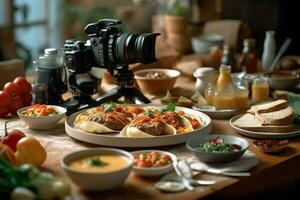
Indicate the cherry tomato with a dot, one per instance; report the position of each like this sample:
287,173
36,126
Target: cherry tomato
4,111
24,86
12,89
27,99
17,103
5,99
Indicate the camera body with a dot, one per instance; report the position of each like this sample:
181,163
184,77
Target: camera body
108,47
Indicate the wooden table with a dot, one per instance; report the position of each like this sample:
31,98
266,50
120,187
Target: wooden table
273,169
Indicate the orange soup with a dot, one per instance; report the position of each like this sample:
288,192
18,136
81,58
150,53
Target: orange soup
99,163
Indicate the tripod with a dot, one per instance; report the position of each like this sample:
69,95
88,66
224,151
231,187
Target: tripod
126,89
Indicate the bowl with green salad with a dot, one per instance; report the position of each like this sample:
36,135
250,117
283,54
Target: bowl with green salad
217,148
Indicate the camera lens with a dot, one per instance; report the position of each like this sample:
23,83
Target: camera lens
132,48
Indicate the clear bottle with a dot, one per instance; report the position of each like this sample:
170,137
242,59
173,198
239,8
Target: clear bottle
228,57
260,90
224,78
269,50
248,61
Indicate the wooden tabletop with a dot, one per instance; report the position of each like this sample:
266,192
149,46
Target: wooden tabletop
273,169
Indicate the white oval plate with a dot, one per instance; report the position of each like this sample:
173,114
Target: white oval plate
215,114
265,135
117,141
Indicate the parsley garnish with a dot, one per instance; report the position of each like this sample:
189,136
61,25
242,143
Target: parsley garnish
97,162
109,107
170,107
149,113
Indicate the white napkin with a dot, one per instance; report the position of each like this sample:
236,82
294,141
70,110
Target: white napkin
245,163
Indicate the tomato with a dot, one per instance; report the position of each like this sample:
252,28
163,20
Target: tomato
24,86
5,99
12,89
17,103
27,99
4,111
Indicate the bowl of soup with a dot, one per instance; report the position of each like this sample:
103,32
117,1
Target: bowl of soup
156,80
282,80
98,169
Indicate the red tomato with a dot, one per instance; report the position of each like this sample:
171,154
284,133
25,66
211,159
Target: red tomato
4,111
5,99
22,83
27,99
17,103
12,89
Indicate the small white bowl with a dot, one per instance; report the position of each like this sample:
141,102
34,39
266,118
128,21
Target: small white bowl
97,181
202,43
42,123
153,171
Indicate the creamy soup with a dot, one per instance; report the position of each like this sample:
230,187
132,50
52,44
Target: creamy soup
99,163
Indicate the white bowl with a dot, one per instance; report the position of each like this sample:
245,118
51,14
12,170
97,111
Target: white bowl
153,171
97,181
203,43
42,123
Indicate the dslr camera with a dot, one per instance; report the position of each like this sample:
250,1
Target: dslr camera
109,48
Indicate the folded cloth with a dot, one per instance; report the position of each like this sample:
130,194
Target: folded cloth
245,163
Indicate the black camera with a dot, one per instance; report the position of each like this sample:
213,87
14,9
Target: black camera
109,48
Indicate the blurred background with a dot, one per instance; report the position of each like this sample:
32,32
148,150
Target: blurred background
27,27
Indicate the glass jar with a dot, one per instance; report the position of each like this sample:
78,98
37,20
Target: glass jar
209,93
260,90
241,95
224,78
224,99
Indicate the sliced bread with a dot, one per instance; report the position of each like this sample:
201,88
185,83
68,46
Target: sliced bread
269,107
249,122
279,117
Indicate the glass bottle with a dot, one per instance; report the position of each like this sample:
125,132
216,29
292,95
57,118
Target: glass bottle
248,61
224,78
260,90
269,50
228,57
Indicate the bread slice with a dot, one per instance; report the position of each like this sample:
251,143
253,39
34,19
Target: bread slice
279,117
269,107
249,122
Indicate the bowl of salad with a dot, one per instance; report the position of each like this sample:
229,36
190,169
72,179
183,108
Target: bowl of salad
217,148
41,116
152,162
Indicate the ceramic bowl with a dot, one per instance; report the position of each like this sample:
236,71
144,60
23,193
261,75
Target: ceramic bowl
203,43
42,123
97,181
218,157
153,171
282,80
154,85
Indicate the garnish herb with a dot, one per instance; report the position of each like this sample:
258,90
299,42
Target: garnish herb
149,113
109,107
170,107
97,162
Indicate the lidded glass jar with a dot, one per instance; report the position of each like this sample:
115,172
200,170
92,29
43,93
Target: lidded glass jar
260,90
224,98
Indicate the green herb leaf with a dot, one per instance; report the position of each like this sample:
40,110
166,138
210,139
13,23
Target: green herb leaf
109,107
171,107
149,113
97,162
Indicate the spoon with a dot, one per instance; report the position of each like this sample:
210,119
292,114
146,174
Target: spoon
282,49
